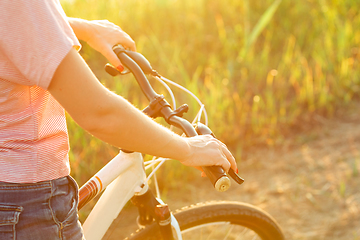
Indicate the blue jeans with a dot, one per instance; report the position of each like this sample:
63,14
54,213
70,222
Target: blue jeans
43,210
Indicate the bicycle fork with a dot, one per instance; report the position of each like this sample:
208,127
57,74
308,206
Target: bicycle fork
151,208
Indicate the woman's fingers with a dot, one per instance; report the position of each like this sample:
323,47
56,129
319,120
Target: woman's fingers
228,156
103,35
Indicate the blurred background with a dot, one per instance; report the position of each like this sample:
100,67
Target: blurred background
270,73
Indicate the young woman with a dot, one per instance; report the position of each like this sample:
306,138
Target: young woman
41,74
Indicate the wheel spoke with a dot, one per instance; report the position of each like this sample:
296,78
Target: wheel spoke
228,234
217,231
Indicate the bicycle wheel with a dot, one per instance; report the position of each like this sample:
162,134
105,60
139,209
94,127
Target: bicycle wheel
219,220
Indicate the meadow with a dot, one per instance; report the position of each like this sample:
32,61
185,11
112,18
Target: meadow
265,70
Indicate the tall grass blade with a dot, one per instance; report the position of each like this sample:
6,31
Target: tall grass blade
259,27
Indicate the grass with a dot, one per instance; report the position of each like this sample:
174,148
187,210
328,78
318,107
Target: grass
264,69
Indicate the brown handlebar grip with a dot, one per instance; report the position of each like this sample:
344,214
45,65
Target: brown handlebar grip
218,178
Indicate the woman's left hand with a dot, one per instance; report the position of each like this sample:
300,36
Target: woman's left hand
102,35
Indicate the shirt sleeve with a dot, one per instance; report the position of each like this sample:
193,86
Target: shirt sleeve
35,36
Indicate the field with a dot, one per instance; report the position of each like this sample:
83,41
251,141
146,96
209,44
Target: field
275,77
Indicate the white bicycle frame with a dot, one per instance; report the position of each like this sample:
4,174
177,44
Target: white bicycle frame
123,177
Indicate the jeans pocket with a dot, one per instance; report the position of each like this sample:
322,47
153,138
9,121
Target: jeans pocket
72,215
9,217
63,201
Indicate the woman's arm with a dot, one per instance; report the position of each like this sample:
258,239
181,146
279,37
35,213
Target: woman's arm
112,119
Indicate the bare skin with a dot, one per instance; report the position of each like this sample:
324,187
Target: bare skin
113,119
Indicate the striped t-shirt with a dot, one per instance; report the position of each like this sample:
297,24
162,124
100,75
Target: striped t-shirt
34,38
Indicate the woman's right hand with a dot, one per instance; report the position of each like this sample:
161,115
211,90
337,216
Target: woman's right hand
206,150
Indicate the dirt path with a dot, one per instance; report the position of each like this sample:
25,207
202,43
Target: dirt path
311,186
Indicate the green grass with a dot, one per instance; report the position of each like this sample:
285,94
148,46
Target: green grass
263,68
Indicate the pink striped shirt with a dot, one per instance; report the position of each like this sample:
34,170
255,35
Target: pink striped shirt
34,38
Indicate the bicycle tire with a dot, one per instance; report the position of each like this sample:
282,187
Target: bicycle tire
244,215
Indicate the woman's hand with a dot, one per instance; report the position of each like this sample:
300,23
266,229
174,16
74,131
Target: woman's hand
102,35
206,150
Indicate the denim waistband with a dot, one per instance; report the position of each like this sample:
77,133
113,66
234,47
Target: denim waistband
38,185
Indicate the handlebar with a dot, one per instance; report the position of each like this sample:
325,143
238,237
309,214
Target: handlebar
138,74
139,66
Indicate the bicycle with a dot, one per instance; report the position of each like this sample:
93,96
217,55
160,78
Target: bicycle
124,178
